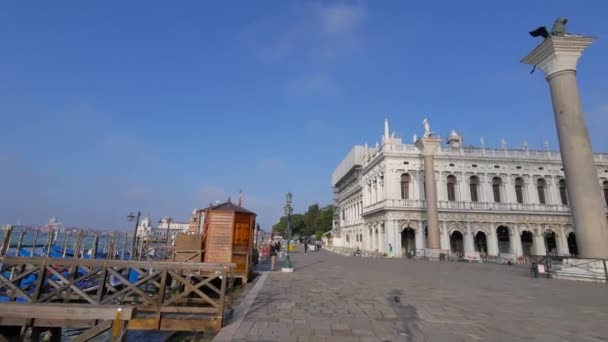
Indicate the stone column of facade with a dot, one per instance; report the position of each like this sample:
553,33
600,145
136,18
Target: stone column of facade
420,236
445,237
397,248
442,192
465,189
539,242
428,145
468,240
517,249
493,241
510,196
562,245
557,57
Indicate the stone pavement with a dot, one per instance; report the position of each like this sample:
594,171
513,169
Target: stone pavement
339,298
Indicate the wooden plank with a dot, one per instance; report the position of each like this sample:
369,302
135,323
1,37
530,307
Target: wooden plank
93,332
144,323
67,262
64,311
182,324
188,309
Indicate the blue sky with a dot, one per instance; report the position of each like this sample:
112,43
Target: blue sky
108,107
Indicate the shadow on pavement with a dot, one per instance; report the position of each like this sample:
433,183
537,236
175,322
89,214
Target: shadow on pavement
406,313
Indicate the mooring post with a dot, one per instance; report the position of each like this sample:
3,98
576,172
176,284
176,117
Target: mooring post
124,247
34,243
6,242
94,247
50,238
77,243
66,237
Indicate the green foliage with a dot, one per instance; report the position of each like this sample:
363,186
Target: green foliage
314,222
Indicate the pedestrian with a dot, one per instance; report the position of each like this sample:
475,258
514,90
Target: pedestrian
305,246
273,256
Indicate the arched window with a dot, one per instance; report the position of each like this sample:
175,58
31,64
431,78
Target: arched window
474,186
496,183
451,188
519,185
405,186
606,191
540,187
564,196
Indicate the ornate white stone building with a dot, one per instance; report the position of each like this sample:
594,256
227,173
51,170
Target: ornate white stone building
503,202
145,228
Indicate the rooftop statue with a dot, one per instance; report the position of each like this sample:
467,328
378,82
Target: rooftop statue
427,128
558,29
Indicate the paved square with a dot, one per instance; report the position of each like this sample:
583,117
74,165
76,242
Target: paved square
336,298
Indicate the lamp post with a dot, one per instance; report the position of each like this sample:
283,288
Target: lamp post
288,211
132,217
168,220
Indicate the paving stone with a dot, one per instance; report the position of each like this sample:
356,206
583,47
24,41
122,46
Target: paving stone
336,298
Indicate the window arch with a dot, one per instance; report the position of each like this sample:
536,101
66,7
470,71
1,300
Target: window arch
474,186
519,185
605,186
451,188
405,186
496,184
564,195
541,184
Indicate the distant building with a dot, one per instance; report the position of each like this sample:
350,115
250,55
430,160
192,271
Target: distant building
145,228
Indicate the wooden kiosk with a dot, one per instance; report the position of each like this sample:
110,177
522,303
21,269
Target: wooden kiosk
228,237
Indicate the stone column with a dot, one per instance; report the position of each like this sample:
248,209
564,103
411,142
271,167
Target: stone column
492,241
539,241
557,57
427,146
420,236
468,240
517,249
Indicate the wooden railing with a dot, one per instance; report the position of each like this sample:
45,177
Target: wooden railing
181,296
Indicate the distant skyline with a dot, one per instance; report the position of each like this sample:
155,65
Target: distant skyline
111,107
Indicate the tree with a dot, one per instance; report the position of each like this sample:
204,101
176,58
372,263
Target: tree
325,220
310,218
297,225
315,221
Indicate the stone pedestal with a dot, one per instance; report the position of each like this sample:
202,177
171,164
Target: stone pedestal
557,57
428,146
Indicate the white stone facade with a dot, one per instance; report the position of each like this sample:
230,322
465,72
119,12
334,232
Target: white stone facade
491,202
145,228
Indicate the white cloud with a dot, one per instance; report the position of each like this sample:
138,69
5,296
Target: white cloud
342,19
318,31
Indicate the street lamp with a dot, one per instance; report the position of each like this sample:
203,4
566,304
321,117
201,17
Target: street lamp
288,211
135,218
168,220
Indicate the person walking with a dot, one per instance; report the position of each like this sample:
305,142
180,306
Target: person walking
273,256
305,246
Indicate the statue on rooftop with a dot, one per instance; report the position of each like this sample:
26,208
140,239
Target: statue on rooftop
558,29
427,128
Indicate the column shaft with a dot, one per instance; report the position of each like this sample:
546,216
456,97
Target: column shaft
434,241
584,194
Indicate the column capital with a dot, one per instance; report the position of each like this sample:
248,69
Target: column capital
428,145
558,53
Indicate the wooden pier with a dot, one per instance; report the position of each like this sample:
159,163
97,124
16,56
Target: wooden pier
80,293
